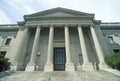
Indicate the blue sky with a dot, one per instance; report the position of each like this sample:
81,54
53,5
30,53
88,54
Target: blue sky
12,11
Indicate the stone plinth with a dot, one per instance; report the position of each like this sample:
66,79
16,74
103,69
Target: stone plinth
87,67
70,67
30,67
48,67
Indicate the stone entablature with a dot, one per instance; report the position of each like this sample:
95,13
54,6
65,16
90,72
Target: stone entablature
9,26
110,24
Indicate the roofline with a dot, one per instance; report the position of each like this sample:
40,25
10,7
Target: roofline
57,8
9,26
110,24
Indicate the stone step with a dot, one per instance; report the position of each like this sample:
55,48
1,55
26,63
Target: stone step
59,76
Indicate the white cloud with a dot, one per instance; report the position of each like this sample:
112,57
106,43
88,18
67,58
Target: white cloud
3,18
106,10
21,7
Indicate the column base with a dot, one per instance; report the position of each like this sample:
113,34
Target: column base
70,67
30,67
87,67
48,67
14,66
20,66
79,67
102,66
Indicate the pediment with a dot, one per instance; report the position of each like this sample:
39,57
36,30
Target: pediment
59,12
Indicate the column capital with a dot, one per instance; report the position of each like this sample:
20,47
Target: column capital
25,26
38,26
84,25
66,25
91,25
79,25
51,26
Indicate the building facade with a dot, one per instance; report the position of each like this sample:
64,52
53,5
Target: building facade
59,39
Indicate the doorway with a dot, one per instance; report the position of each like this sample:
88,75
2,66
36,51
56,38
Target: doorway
59,59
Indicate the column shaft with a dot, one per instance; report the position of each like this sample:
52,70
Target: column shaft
69,64
83,46
31,64
98,48
87,65
35,45
22,36
49,63
18,46
67,45
50,46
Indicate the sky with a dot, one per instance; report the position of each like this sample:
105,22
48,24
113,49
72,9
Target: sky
12,11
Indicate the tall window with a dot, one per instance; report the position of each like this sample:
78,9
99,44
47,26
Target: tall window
116,50
8,41
111,40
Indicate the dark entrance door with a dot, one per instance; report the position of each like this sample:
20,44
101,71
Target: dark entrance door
59,59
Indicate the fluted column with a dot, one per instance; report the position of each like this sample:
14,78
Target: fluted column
18,46
69,64
87,65
98,48
49,63
31,64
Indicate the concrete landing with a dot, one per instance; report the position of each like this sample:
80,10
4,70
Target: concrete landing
59,76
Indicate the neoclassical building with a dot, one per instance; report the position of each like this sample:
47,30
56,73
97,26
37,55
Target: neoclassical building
59,39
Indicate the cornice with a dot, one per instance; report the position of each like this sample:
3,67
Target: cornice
110,25
58,18
9,27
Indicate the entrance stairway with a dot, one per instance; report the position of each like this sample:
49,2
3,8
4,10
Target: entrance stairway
58,76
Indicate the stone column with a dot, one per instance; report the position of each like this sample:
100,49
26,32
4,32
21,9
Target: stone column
69,64
49,63
31,64
18,46
98,48
87,65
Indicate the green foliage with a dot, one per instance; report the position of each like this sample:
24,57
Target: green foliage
4,64
113,60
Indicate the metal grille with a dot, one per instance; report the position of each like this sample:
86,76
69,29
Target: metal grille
59,59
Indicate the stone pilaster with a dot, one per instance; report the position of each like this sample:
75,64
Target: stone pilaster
18,46
87,65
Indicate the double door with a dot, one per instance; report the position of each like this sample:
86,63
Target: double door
59,59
